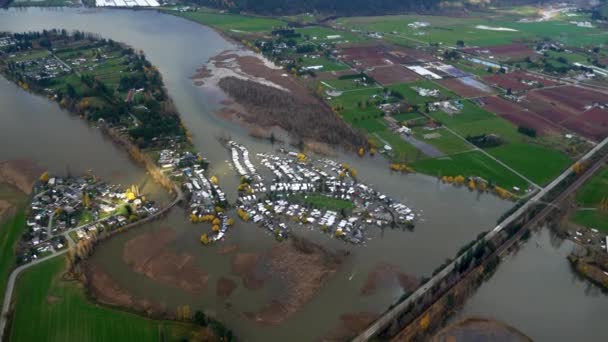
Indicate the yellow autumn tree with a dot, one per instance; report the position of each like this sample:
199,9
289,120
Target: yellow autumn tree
214,180
205,239
361,152
215,228
44,178
425,321
577,168
472,184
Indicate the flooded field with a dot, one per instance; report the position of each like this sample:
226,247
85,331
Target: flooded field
535,291
365,281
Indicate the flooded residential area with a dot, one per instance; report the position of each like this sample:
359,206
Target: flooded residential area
268,239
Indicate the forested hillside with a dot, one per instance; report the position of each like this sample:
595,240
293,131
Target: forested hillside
350,7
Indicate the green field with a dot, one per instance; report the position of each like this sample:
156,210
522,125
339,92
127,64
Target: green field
538,163
411,95
447,142
324,202
231,22
349,84
352,111
10,232
470,164
402,151
596,189
448,30
49,308
474,120
595,219
328,65
320,34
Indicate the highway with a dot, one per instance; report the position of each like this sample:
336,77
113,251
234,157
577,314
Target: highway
386,319
10,287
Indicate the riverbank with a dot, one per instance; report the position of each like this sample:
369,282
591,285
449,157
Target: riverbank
265,97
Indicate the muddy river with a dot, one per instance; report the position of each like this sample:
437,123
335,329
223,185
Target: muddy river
33,127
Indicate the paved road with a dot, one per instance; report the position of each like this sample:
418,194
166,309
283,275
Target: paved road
394,313
8,296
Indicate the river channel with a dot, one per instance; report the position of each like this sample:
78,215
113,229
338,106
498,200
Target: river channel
35,128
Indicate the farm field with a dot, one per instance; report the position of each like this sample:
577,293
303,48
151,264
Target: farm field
476,31
479,126
10,232
319,34
538,163
231,22
328,65
471,164
444,140
591,196
402,151
61,312
411,96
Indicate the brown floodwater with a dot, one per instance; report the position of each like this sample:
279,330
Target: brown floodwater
536,291
33,127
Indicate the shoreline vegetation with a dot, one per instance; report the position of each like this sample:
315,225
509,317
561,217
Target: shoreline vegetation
116,89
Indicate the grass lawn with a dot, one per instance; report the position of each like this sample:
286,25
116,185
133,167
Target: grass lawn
349,84
468,164
402,151
407,116
448,30
538,163
595,219
447,142
10,232
474,120
324,202
328,65
411,96
370,125
62,313
594,191
319,34
350,102
231,22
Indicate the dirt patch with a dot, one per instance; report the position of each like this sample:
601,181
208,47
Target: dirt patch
52,299
4,206
225,287
572,107
301,267
518,81
149,254
480,329
387,275
350,325
520,116
515,51
460,87
393,74
20,173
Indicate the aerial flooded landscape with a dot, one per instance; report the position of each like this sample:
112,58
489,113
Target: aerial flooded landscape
313,171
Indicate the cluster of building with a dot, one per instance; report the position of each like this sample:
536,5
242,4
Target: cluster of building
283,202
42,68
206,198
77,205
6,41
